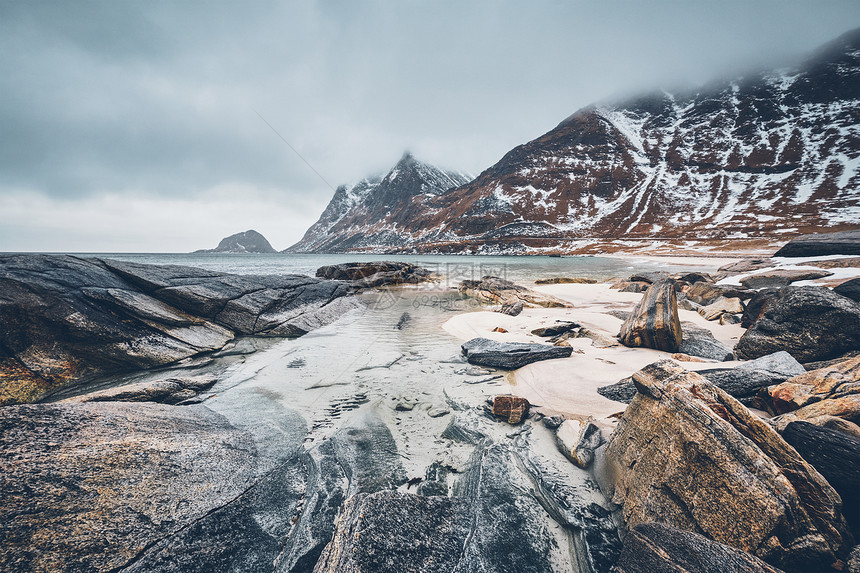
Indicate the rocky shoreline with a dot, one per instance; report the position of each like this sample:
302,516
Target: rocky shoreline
182,468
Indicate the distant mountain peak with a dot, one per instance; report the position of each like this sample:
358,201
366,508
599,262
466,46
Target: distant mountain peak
383,203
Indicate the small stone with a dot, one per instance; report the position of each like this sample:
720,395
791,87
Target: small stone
512,308
686,358
577,440
499,329
514,408
438,412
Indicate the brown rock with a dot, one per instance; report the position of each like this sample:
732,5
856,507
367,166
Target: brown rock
514,408
705,293
495,290
512,307
499,329
686,358
721,306
838,384
689,455
654,322
747,265
849,263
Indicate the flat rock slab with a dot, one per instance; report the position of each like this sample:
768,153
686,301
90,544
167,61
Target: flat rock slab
782,277
822,244
102,481
658,548
510,355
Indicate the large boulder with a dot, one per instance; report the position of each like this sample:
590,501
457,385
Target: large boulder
705,293
510,355
658,548
496,290
687,454
810,323
654,322
721,306
821,244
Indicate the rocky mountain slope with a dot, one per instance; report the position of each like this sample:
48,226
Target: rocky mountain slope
374,211
766,155
246,242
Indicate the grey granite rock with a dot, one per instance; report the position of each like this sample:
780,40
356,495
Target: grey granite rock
698,341
849,289
659,548
69,319
821,244
510,355
810,323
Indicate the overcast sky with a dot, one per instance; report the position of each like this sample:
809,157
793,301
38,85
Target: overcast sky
133,126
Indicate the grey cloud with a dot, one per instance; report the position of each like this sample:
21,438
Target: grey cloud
159,98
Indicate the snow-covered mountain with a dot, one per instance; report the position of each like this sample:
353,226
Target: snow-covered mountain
767,155
370,214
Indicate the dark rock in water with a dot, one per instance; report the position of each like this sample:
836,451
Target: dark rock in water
512,408
658,548
512,308
782,277
556,329
93,485
246,242
391,532
375,274
654,322
622,391
679,433
68,319
849,289
841,243
756,306
836,456
698,341
810,323
510,355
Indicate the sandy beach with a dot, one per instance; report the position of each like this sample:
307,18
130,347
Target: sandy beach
568,386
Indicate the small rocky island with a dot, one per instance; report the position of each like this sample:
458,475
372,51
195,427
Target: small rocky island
245,242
